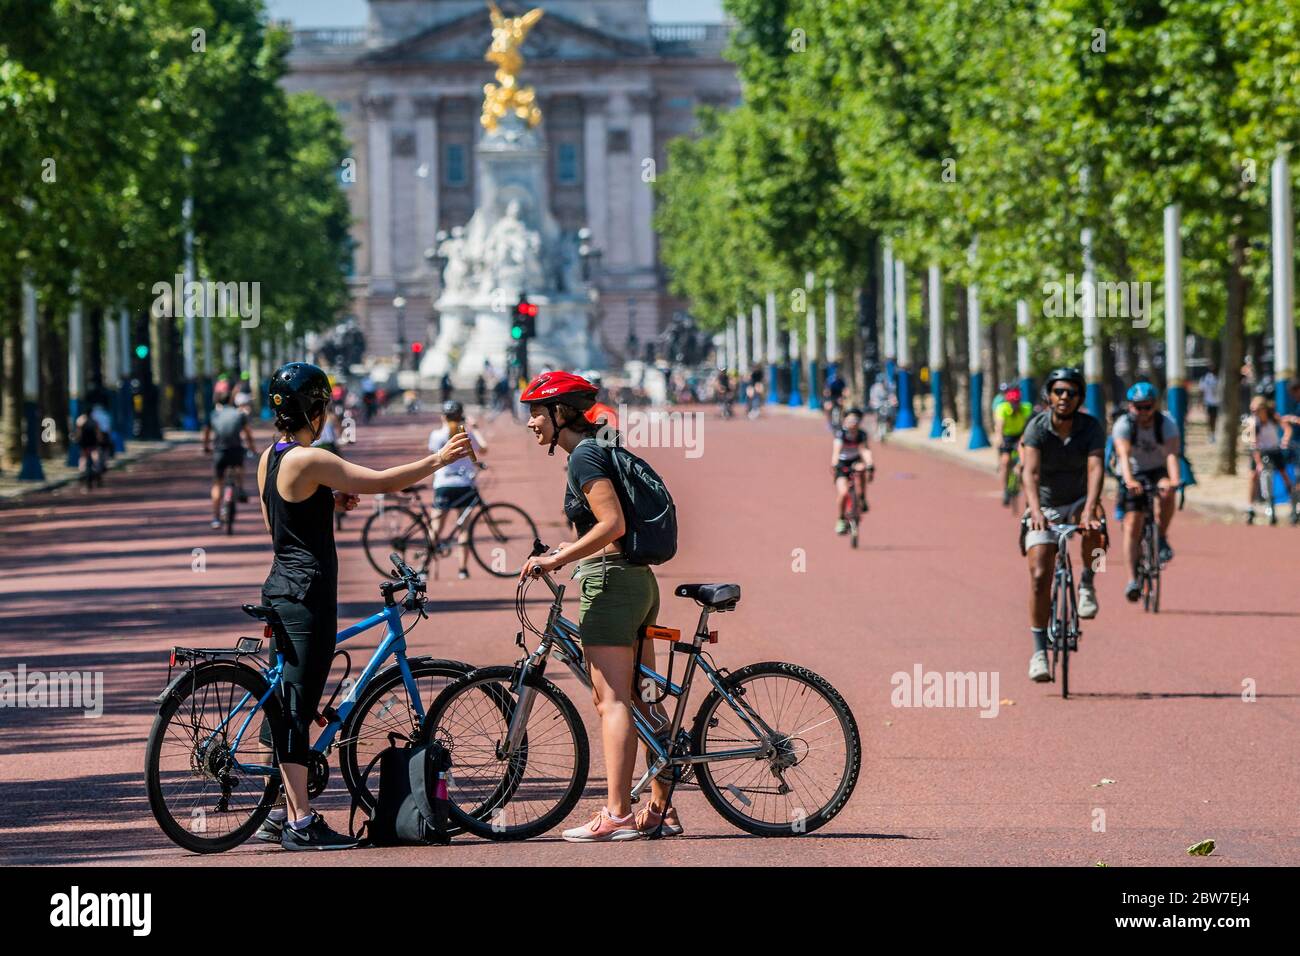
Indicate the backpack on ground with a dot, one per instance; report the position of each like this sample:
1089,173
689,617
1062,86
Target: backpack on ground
411,806
648,509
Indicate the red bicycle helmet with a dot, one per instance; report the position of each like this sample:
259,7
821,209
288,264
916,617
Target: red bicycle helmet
562,388
559,388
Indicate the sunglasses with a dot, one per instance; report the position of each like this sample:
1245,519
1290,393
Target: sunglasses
1065,392
1144,406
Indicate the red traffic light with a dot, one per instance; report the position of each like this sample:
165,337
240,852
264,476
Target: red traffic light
417,347
526,308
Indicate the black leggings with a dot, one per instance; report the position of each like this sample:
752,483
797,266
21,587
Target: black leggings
311,625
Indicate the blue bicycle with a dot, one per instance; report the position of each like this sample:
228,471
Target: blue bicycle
209,769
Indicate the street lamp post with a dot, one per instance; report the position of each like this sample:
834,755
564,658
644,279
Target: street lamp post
399,303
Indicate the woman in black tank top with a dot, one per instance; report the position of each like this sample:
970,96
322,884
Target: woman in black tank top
301,488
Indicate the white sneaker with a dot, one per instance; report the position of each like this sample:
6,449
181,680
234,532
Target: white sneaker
1038,671
604,828
1087,601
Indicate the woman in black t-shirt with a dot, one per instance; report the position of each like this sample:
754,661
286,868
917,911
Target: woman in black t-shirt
618,598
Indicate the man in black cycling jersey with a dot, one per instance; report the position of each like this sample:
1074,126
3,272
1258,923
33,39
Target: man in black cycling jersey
1063,474
851,459
227,431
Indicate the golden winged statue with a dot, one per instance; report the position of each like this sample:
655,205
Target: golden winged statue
506,96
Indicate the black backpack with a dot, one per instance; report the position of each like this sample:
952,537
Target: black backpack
411,807
648,509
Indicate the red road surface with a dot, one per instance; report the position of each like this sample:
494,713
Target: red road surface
106,583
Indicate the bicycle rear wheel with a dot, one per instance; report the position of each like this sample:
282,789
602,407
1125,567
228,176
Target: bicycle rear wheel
815,751
199,794
396,528
228,508
501,538
512,796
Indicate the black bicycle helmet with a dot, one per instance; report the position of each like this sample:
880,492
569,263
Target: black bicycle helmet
299,392
1063,374
453,409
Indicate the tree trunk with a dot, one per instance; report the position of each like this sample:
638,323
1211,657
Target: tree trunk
1230,371
11,399
53,391
959,360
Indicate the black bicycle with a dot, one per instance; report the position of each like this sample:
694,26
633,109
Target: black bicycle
1274,464
1149,563
500,535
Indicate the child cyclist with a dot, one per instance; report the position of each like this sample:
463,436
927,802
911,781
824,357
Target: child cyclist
851,461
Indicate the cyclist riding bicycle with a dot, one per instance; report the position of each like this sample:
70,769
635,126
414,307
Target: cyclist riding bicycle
1010,417
1267,436
1146,447
227,431
851,461
618,599
1063,472
456,486
882,400
301,488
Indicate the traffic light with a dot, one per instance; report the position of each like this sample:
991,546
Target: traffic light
417,348
525,323
142,352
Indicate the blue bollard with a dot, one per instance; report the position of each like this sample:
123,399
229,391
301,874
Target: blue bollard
979,438
1094,403
936,396
772,384
74,412
814,391
190,408
31,469
906,413
796,397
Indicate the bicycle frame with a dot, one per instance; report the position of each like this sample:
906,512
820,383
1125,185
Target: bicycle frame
561,634
394,643
1063,573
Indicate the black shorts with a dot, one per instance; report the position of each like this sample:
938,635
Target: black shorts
1275,459
1126,500
453,498
226,458
844,468
1009,444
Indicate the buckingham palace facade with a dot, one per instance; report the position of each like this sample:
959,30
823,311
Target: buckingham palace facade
613,87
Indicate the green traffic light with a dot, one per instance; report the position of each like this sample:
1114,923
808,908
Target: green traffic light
516,332
142,351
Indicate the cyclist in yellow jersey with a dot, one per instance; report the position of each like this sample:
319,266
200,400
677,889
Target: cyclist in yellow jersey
1009,420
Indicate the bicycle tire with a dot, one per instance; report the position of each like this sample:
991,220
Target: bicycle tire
378,546
239,675
230,501
351,766
483,819
803,823
494,518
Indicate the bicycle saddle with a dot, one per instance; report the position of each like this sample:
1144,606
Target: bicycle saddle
411,490
720,597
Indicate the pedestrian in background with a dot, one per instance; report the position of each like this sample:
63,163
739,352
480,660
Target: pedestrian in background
89,439
1211,399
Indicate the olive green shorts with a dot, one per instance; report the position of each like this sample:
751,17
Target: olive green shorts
615,601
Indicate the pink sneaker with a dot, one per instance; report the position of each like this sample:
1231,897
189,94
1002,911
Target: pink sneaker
647,820
604,828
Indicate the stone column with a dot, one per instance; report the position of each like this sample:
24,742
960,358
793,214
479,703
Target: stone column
594,108
643,149
426,195
379,173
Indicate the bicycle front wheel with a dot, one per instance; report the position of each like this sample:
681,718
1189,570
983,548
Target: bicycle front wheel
501,539
813,753
509,796
197,762
396,528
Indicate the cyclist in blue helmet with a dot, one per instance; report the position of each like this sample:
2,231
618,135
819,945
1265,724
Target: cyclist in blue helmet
1146,446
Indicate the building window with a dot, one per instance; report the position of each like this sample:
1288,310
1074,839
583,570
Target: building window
455,165
566,164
